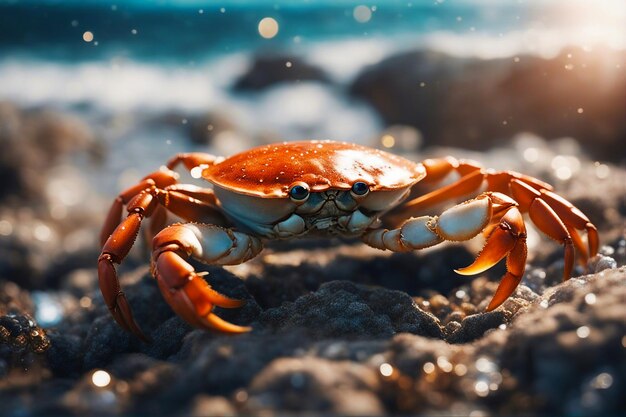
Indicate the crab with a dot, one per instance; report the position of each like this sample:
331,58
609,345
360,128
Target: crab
292,189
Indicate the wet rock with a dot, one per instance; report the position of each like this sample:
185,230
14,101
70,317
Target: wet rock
339,328
474,327
268,70
306,385
557,349
205,405
23,342
32,143
343,309
474,103
65,356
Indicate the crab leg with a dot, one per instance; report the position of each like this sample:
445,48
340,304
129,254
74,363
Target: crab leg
437,170
524,189
152,202
463,222
115,250
159,179
184,289
192,160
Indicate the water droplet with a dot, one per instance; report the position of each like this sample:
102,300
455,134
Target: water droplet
429,367
484,364
85,302
602,171
444,364
583,332
101,378
388,141
386,369
563,173
196,172
460,369
481,388
602,381
590,298
268,27
362,14
531,154
6,228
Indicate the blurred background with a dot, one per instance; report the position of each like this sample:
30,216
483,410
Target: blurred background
95,94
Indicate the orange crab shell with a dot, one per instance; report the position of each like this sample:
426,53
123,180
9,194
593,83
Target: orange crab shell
269,171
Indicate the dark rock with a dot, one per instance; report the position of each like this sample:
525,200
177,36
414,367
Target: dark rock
339,328
268,70
474,327
32,143
556,352
65,356
474,103
343,309
306,385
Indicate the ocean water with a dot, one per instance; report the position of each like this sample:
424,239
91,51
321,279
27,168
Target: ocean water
161,54
137,60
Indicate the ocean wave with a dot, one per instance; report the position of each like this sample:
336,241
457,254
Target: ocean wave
123,84
117,85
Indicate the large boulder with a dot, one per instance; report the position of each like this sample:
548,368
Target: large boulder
474,103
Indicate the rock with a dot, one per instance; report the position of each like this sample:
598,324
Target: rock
558,353
22,341
343,309
32,143
475,103
338,328
268,70
200,128
306,385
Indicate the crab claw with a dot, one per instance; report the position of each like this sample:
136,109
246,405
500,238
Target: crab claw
190,296
515,264
499,244
507,239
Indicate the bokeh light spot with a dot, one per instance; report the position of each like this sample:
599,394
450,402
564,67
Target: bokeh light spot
268,27
101,378
362,14
388,141
386,369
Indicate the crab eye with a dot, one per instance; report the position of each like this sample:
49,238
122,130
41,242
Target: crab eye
360,188
299,192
